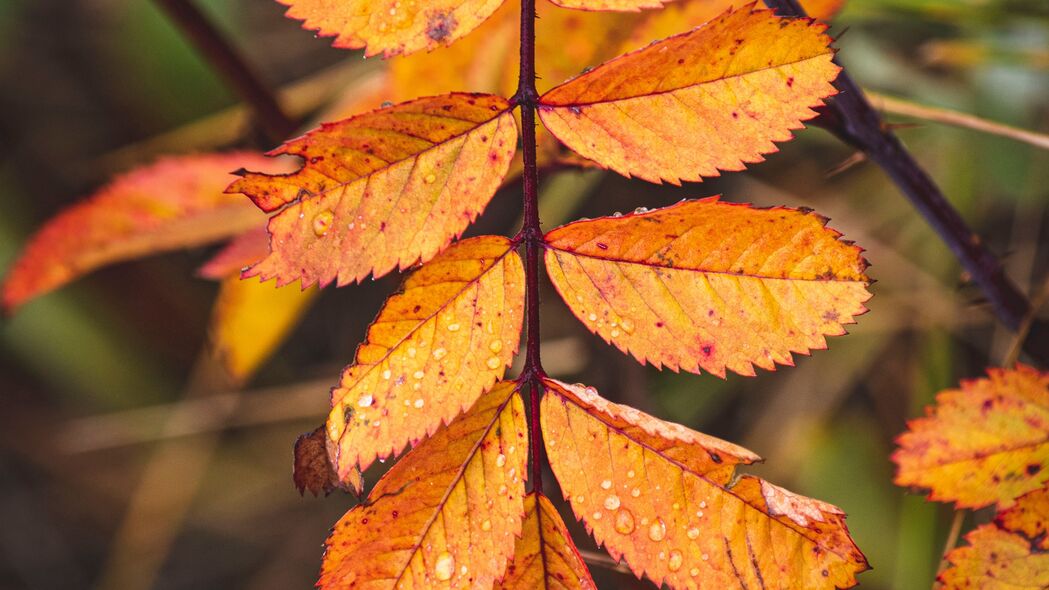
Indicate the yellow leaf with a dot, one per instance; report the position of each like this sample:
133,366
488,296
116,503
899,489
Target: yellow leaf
446,515
433,349
667,499
383,189
986,443
391,27
176,202
545,556
709,285
714,98
1009,554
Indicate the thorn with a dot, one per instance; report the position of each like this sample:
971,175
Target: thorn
853,160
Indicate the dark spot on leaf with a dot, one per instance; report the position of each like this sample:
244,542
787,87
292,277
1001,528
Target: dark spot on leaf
715,457
602,246
1033,468
440,26
790,82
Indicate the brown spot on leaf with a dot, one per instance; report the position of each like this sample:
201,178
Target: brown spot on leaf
439,26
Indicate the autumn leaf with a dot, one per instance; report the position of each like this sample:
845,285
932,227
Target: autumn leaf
433,349
1009,554
312,470
383,189
391,27
545,556
714,98
709,285
667,499
986,443
446,515
682,15
176,202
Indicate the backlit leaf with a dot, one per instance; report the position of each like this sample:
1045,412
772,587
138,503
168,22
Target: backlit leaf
433,349
174,203
714,98
383,189
391,27
613,5
709,285
1010,554
446,515
985,443
545,556
312,470
667,500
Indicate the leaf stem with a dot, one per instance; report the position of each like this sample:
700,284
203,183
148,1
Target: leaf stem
231,66
850,116
531,235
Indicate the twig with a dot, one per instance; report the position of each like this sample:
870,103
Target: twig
231,66
907,108
952,540
850,116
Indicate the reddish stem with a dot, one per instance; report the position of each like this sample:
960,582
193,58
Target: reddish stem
532,236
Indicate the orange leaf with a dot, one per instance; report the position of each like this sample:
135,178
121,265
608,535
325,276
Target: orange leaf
445,515
391,27
237,255
1007,555
709,285
714,98
545,556
174,203
985,443
433,349
384,189
682,15
612,5
667,499
312,469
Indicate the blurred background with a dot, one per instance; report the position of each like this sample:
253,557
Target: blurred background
128,462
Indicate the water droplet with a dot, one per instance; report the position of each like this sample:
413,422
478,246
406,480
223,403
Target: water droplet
675,561
322,223
699,514
463,569
376,424
430,179
612,502
635,492
412,352
386,374
512,472
495,346
500,460
417,386
657,531
694,572
453,327
692,533
677,506
502,489
444,567
418,374
365,400
580,499
439,353
624,522
493,362
597,515
486,525
704,557
702,504
615,333
606,485
511,449
592,317
630,473
420,402
627,325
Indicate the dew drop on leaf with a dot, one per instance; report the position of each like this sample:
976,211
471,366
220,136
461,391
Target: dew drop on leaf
486,525
692,533
500,460
493,362
365,401
624,522
322,223
658,530
597,516
420,402
495,346
430,179
675,560
444,567
606,485
439,353
612,502
453,327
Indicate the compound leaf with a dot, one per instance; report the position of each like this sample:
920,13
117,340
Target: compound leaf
985,443
176,202
667,499
714,98
1009,554
433,349
446,515
383,189
545,556
391,27
709,285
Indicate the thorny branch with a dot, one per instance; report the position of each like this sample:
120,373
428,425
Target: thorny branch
852,118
